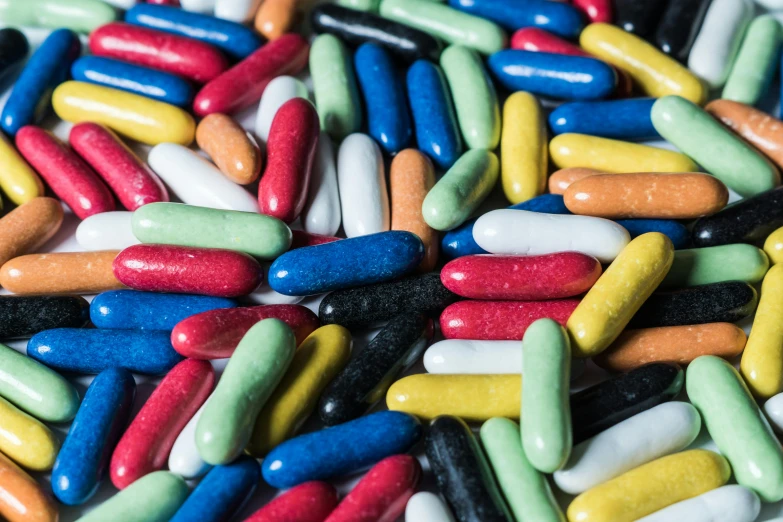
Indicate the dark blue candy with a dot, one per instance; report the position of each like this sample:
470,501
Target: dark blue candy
676,231
459,242
91,351
233,38
99,423
130,309
437,133
13,50
627,119
47,68
137,79
384,97
221,493
553,75
347,263
342,449
555,17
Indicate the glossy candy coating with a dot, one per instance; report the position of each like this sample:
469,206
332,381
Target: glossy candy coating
25,440
596,10
701,266
524,154
679,25
107,230
732,502
308,502
23,498
556,17
761,363
61,273
427,507
361,182
322,213
756,61
627,119
18,181
77,15
749,221
232,148
460,356
773,246
674,230
639,17
24,316
561,179
752,125
29,226
13,49
334,87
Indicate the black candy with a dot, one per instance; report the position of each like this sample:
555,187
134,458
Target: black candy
13,49
639,17
369,305
748,221
715,303
357,27
368,376
25,316
462,472
679,27
600,407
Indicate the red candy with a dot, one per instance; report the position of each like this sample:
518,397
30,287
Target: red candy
308,502
523,278
146,444
68,176
293,140
134,183
242,85
216,333
187,270
178,55
500,320
597,11
382,493
304,239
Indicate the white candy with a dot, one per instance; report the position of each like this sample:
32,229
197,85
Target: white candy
427,507
649,435
772,5
236,10
719,39
196,181
522,232
362,184
106,231
726,504
321,214
122,4
279,91
774,410
265,295
198,6
184,459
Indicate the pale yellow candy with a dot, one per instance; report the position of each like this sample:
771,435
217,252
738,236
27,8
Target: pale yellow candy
523,148
25,440
17,179
773,246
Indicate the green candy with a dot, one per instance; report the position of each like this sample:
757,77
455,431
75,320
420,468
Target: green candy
735,423
702,266
756,61
450,25
475,100
360,5
721,152
526,489
261,236
254,370
546,411
461,190
77,15
152,498
334,86
36,389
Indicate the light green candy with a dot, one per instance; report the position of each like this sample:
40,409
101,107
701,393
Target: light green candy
546,412
261,236
153,498
252,373
722,153
475,100
334,86
361,5
36,389
77,15
702,266
461,190
735,423
750,76
526,490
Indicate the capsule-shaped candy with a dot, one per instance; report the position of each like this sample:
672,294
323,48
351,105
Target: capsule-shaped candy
719,39
232,149
638,17
473,357
361,180
773,246
674,230
26,440
727,503
702,266
427,507
774,412
761,363
77,15
558,18
18,181
756,60
23,498
752,125
749,221
61,273
627,119
279,91
184,459
322,213
308,502
24,316
28,227
596,10
524,153
106,231
13,49
235,10
679,26
334,87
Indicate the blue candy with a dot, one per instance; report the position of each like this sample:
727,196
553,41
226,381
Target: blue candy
437,133
676,231
130,309
555,17
356,261
553,75
47,68
137,79
233,38
627,119
459,242
342,449
387,110
99,424
90,351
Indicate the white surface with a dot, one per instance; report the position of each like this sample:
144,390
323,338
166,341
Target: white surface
322,214
726,504
236,10
427,507
361,179
465,356
106,231
774,411
279,91
184,459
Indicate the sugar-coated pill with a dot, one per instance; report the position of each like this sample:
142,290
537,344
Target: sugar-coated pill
106,231
638,17
361,180
275,18
524,154
25,440
726,504
773,409
679,26
454,356
308,502
556,17
232,148
27,227
627,119
18,180
184,459
756,61
702,266
674,230
199,6
596,10
321,214
24,316
427,507
762,364
749,221
279,91
752,125
23,499
14,48
773,246
235,10
61,273
77,15
334,87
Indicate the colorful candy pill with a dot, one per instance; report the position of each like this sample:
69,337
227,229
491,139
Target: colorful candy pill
77,15
23,498
18,181
199,6
473,357
736,503
558,18
596,10
524,154
62,273
28,227
755,62
106,231
308,502
184,459
617,119
24,316
749,221
773,246
761,362
364,200
674,230
774,413
235,10
427,507
322,213
679,26
14,48
275,18
26,440
232,149
279,91
719,39
702,266
752,125
334,87
638,17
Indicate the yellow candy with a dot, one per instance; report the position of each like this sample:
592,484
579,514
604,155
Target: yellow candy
773,246
657,74
25,440
475,398
131,115
523,148
651,487
580,150
19,182
317,360
619,293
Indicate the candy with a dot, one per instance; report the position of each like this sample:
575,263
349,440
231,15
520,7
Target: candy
702,266
716,46
749,221
627,119
679,25
561,179
235,10
427,507
100,421
556,17
736,425
334,87
754,126
18,181
25,440
308,502
596,10
772,410
62,273
232,149
276,17
343,449
360,5
462,472
25,316
732,502
761,362
638,17
524,154
198,6
279,91
755,62
89,351
106,231
473,357
184,459
77,15
28,227
321,214
365,379
773,246
13,49
677,232
23,499
361,181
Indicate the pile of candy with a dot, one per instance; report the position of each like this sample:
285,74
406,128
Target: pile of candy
235,237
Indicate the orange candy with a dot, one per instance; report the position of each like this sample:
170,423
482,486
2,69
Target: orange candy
29,226
560,180
276,17
63,273
233,151
754,126
21,498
